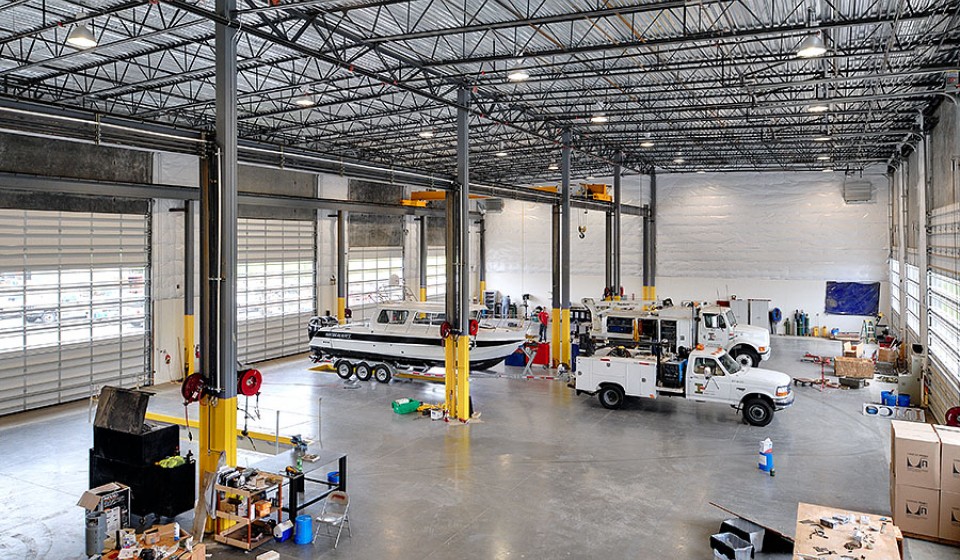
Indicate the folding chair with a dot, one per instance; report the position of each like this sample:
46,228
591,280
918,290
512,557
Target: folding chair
334,514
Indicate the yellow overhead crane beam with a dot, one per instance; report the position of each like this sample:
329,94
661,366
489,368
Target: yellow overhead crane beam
437,195
168,419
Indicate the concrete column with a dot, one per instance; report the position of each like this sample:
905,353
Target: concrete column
565,349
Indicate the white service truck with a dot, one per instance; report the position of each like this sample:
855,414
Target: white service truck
705,376
683,327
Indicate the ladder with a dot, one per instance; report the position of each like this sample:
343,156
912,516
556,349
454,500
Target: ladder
868,333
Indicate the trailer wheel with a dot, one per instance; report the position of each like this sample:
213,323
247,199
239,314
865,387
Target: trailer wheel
611,397
344,369
363,371
747,357
381,372
757,412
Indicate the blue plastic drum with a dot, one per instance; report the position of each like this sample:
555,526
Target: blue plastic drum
303,534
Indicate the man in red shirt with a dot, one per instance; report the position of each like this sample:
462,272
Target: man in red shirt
544,318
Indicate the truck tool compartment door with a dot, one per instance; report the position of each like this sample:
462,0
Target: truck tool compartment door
707,381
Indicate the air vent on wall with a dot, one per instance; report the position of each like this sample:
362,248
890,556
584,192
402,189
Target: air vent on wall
857,192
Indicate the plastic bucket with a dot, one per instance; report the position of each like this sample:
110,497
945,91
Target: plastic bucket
333,477
903,400
887,398
303,534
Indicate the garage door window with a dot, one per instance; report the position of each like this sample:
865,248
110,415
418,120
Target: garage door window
895,286
374,274
944,332
436,272
913,299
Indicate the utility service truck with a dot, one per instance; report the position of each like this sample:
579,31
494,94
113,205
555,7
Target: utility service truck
704,376
683,327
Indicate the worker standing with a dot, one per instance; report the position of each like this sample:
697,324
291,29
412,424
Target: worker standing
543,317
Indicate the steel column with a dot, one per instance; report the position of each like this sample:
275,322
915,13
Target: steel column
218,204
458,278
650,243
555,294
608,253
342,256
482,246
424,249
923,195
565,349
617,173
189,276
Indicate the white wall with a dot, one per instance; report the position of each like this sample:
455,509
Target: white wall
763,235
771,235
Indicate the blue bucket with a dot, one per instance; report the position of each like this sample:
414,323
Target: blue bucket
903,400
887,398
304,530
333,477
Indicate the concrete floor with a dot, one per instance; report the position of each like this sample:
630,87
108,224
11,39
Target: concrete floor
543,474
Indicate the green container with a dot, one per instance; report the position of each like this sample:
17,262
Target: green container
405,406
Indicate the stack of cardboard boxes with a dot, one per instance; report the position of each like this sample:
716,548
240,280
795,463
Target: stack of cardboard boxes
925,479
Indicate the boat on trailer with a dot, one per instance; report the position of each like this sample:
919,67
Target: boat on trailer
404,337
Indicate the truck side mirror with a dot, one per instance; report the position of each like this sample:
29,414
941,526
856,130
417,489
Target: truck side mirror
707,371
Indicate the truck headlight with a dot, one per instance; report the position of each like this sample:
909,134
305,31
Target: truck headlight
783,391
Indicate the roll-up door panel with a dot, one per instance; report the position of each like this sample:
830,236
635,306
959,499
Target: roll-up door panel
74,302
276,293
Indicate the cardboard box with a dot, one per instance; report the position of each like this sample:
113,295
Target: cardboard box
113,499
916,454
851,350
857,368
917,510
949,458
887,355
950,516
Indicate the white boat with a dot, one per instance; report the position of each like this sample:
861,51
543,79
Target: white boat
405,334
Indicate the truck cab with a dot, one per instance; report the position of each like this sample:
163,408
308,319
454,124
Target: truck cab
748,344
706,375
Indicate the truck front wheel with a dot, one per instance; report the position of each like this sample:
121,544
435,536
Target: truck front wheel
611,397
757,412
746,356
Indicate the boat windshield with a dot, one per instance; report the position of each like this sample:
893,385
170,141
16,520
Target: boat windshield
392,317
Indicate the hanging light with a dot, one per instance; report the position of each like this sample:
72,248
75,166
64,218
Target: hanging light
700,171
818,108
426,133
827,170
823,158
553,167
81,37
811,46
646,144
678,159
590,177
825,137
599,116
501,152
304,99
518,75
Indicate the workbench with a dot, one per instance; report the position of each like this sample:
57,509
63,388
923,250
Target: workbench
297,482
810,535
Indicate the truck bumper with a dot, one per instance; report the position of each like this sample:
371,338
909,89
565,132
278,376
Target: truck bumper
765,355
784,402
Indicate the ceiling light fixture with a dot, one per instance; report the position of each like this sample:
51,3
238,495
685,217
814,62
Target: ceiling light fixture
646,144
811,46
818,108
590,177
518,75
827,170
599,116
678,160
304,100
700,171
822,138
823,158
426,133
81,37
501,152
553,167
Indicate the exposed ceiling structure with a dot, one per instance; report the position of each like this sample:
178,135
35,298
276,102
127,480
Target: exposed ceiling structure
683,85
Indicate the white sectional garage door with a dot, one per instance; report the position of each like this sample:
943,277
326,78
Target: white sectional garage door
74,295
276,287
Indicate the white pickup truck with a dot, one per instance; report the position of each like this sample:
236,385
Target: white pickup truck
705,376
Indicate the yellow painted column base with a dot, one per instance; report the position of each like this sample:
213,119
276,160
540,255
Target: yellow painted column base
565,348
555,338
483,287
218,434
463,378
450,374
341,309
189,356
423,294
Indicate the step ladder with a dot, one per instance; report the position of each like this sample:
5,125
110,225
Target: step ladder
868,333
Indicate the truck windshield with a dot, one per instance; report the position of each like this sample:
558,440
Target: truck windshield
729,364
731,319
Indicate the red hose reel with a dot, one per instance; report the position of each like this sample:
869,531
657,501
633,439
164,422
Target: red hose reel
249,382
